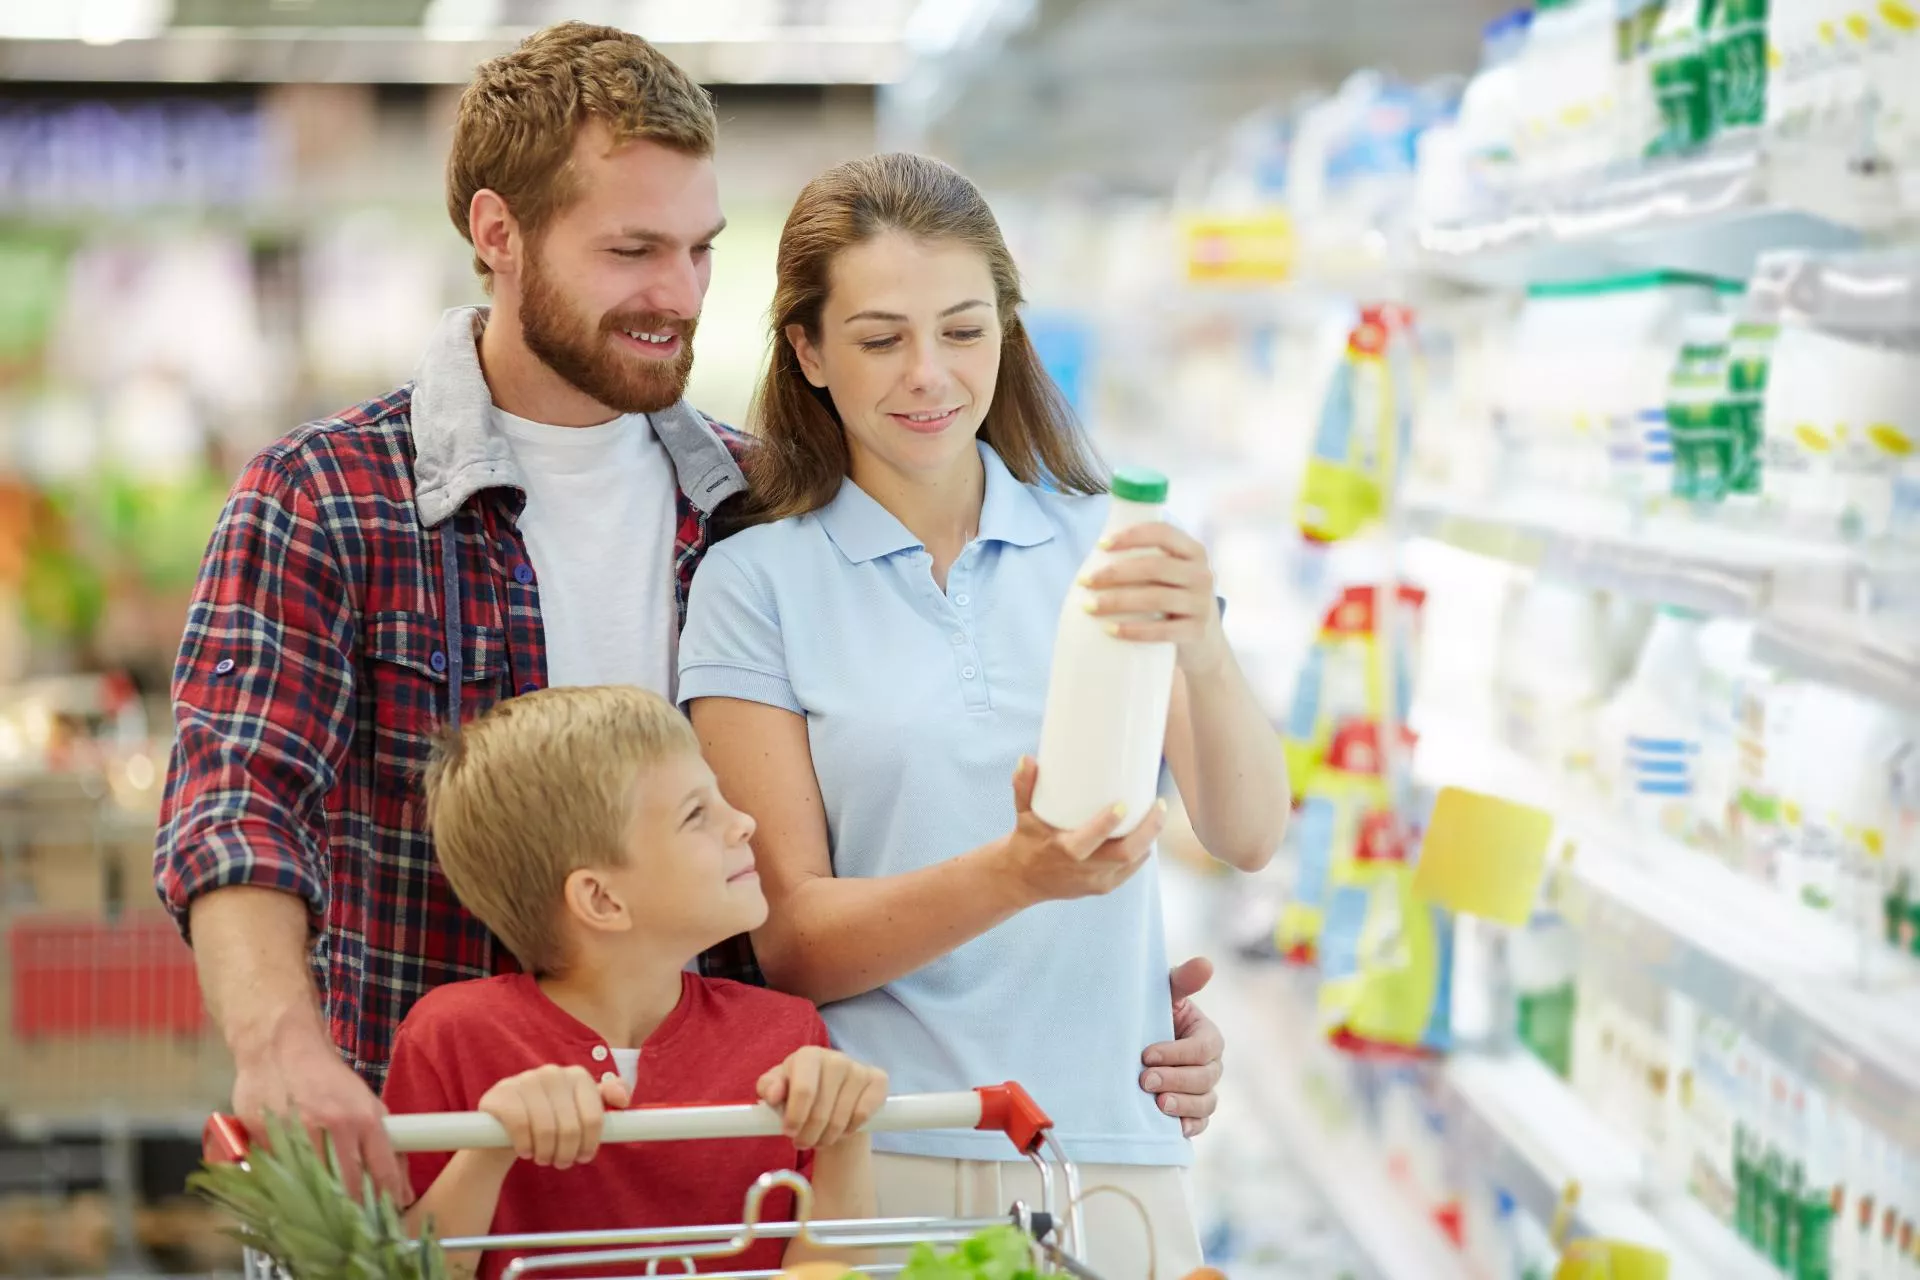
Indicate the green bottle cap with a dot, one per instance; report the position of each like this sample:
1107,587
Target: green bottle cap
1139,484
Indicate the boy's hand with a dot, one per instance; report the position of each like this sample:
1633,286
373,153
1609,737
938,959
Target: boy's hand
823,1095
553,1114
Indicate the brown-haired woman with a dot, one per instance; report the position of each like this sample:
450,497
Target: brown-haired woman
867,666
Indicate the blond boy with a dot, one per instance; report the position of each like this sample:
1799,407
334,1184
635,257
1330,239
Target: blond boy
582,826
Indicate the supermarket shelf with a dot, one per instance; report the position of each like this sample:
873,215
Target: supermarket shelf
1517,1124
1399,1241
1534,1135
1876,665
1715,213
1815,601
1832,1006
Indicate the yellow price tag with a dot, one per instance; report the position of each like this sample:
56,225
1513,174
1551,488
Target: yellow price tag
1257,249
1483,856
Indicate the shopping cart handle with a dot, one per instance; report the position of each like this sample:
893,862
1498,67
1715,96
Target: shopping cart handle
1001,1108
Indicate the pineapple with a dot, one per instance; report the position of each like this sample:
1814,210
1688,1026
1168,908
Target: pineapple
290,1205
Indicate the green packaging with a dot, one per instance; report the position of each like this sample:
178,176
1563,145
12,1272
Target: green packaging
1737,65
1697,419
1746,1183
1749,355
1681,77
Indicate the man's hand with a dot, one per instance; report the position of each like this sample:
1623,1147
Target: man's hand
301,1074
823,1096
1184,1074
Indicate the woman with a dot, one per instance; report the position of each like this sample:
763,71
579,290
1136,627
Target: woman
868,664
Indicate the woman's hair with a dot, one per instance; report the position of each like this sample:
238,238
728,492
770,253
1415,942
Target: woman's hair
803,457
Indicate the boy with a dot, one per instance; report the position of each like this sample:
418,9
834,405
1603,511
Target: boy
583,827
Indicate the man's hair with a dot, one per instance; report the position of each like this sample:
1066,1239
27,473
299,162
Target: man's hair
518,118
540,787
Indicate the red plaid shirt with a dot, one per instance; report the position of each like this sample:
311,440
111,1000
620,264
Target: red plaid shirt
315,670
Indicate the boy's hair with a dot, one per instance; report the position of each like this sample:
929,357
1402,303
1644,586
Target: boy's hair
517,119
539,787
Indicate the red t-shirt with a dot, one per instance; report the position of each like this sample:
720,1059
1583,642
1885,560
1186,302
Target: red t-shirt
463,1038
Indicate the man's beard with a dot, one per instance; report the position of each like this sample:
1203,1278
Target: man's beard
590,359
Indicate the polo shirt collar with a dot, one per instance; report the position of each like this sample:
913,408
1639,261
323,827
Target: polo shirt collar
864,530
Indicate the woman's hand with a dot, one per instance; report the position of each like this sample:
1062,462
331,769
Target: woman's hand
1051,864
1163,592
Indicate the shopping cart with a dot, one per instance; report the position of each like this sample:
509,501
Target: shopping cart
1058,1239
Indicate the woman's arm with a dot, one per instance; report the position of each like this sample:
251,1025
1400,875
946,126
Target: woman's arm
1226,758
1229,765
828,938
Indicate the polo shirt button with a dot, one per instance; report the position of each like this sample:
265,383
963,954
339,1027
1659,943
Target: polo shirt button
968,673
438,661
224,667
523,574
963,600
599,1053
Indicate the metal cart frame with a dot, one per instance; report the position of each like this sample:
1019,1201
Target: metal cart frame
1058,1240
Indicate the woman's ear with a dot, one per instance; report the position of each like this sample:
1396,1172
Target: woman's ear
593,901
807,354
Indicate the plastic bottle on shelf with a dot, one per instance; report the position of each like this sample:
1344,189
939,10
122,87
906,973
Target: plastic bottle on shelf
1545,92
1893,47
1869,746
1725,646
1793,49
1810,866
1637,119
1104,731
1681,80
1737,66
1491,105
1699,430
1556,670
1543,960
1756,326
1591,113
1654,727
1710,1102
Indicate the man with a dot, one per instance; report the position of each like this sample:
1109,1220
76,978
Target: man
527,512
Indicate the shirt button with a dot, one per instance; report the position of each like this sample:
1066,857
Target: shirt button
611,1077
529,687
438,661
599,1053
959,637
963,600
223,667
523,574
968,673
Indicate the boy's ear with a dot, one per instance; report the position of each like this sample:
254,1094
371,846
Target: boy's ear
595,902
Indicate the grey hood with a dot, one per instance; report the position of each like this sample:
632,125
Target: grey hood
459,451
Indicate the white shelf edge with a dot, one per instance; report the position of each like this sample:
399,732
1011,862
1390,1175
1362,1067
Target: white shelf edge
1713,212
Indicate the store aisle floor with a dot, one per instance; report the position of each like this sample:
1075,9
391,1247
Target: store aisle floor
1260,1215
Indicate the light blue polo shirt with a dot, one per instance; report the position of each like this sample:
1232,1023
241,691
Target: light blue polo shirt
918,705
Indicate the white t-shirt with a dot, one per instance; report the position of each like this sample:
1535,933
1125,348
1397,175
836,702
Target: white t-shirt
599,527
